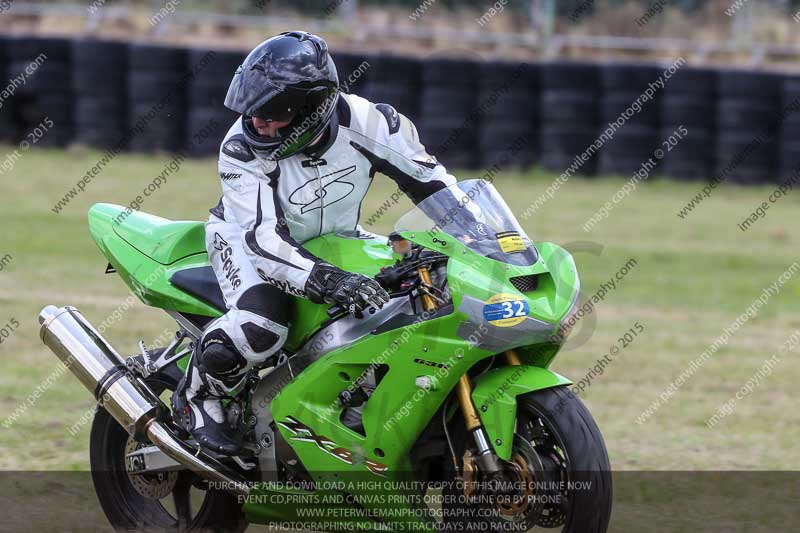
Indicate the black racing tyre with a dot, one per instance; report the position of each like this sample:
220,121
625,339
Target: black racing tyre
439,71
790,127
99,111
571,75
632,141
629,148
749,84
99,137
153,57
620,166
8,125
562,143
26,48
120,493
452,140
692,111
167,118
156,143
217,64
626,77
59,108
205,129
354,67
569,107
517,76
687,170
48,77
749,114
95,53
451,102
616,104
743,157
391,68
514,105
790,109
207,92
561,445
690,158
404,98
789,160
699,82
154,86
101,82
791,91
512,144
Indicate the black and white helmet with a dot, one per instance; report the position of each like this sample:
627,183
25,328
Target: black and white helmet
288,78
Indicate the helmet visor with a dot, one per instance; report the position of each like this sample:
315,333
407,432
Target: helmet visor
280,104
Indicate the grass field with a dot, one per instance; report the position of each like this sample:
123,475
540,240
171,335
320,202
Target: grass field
692,278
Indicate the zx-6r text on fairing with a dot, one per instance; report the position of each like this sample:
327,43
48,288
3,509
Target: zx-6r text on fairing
436,412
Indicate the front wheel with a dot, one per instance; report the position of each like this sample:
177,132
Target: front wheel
169,501
558,478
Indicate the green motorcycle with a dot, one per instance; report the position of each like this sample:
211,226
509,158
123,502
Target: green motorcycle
436,412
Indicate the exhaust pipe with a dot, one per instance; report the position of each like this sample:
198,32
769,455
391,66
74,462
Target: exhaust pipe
127,399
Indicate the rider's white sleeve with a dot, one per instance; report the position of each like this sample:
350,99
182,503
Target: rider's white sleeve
276,256
389,140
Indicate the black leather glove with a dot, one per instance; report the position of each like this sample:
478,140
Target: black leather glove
356,292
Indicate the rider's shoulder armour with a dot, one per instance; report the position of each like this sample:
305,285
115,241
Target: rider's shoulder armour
391,115
237,148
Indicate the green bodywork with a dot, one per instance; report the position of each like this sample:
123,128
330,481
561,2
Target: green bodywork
146,251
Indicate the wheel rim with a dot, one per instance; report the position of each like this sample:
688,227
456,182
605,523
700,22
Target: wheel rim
538,449
172,500
535,428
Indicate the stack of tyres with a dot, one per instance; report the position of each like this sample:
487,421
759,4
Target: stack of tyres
396,80
208,120
8,127
157,80
450,112
688,104
355,71
748,118
99,74
508,135
790,129
43,103
629,109
570,102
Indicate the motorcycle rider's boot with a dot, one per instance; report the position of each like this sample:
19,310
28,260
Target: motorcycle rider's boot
210,407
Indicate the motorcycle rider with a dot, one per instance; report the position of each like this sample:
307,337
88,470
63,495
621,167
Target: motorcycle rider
295,165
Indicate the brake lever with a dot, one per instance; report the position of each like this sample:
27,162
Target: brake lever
338,310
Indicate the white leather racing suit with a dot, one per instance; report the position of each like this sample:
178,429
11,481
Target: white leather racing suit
268,210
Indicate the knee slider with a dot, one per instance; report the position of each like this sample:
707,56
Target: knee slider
218,354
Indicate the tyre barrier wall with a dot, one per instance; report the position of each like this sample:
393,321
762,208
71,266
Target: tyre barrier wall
470,114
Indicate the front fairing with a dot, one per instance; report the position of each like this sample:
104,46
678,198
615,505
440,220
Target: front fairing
504,306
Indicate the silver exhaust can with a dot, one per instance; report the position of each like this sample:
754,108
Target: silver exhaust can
129,401
100,369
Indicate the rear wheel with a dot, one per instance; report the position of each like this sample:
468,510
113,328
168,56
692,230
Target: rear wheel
170,501
559,476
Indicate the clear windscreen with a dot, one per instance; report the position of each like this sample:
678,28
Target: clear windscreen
473,212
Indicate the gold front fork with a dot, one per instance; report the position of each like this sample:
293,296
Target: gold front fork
513,358
486,459
471,417
427,302
464,387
